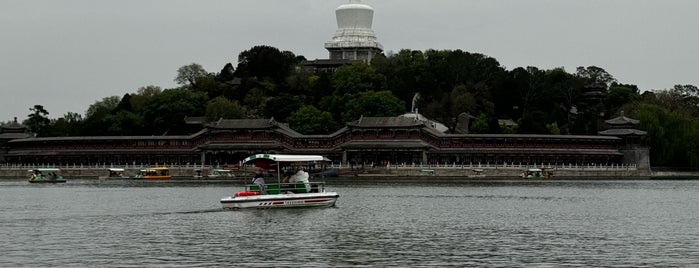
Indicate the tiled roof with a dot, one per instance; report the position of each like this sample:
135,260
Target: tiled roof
622,132
196,120
622,120
12,136
242,124
386,122
386,144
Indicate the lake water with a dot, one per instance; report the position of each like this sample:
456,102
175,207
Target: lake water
91,223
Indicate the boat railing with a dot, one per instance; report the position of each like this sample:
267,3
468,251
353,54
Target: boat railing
279,188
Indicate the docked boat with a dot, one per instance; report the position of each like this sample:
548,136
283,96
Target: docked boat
220,174
537,173
46,175
477,173
115,173
427,172
156,173
297,193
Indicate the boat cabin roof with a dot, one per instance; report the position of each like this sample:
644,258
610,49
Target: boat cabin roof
155,168
285,158
116,169
222,170
45,169
534,169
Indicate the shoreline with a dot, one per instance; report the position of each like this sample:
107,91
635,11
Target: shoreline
390,174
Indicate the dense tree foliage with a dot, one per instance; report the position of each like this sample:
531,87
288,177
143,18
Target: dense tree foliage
38,120
310,120
441,84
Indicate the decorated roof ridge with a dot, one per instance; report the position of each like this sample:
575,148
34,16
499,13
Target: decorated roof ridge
385,122
622,132
13,127
262,123
622,120
284,127
195,120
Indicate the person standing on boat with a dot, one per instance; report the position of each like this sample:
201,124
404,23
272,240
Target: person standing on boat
259,180
301,177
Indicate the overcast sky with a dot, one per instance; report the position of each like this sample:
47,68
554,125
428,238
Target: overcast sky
67,54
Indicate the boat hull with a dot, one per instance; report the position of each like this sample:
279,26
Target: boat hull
47,181
324,199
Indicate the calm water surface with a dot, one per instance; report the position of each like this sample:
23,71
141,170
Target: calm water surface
90,223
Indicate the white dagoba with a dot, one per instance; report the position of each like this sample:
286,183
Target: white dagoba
354,38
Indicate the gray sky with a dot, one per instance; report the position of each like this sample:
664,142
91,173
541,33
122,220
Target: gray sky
67,54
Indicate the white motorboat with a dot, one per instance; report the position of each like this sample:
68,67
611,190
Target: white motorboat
114,173
293,194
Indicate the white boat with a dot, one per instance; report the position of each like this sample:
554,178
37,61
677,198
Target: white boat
46,175
282,195
537,173
221,173
477,173
156,173
115,173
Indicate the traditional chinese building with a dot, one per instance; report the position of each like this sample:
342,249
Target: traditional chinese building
632,146
354,38
375,140
10,132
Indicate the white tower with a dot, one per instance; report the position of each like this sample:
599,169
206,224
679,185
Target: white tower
354,38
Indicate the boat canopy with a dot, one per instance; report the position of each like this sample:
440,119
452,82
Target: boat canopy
285,158
116,169
155,169
45,170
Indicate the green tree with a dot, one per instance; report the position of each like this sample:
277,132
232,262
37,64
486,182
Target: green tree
166,111
143,96
38,120
480,125
124,122
96,117
221,107
266,63
370,103
102,107
70,124
227,73
357,78
309,120
595,75
450,105
281,107
553,128
619,95
188,74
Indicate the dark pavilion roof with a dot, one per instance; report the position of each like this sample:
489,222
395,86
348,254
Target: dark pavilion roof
195,120
622,126
106,138
12,136
243,124
252,124
622,120
622,132
14,130
386,144
382,122
13,127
